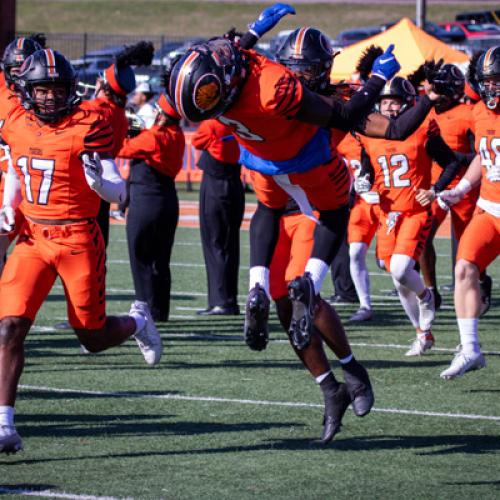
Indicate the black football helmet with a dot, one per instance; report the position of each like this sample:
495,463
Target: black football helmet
400,88
449,82
205,81
488,77
15,54
44,67
308,52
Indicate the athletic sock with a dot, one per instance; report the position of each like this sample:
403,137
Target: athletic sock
317,269
7,415
359,273
260,275
468,335
347,360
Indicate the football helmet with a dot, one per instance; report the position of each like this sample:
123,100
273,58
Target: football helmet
449,83
205,81
309,54
14,56
488,77
48,67
399,88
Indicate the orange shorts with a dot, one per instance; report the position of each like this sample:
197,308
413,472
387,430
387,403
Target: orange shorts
461,213
480,243
326,187
75,253
406,237
292,252
363,222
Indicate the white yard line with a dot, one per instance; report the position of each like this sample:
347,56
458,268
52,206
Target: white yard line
53,494
256,402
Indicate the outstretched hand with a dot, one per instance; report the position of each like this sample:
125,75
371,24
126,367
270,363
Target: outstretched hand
386,65
269,18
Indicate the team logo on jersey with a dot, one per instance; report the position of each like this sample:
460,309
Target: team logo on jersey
207,92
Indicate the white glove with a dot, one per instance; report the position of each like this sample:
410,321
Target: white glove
493,173
93,170
442,204
450,197
7,219
362,184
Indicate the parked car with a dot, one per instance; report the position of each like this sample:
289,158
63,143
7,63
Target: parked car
485,16
161,53
349,37
93,63
472,30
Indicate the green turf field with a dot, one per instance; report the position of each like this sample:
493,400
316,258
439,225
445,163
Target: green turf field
181,18
216,420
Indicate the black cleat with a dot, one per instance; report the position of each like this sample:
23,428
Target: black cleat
335,407
301,293
256,316
485,291
360,388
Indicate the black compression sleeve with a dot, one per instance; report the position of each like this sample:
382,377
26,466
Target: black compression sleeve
446,159
248,40
366,166
346,116
330,112
406,123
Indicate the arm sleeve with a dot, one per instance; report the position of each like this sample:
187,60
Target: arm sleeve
112,187
248,40
366,166
329,112
12,188
445,158
138,147
406,123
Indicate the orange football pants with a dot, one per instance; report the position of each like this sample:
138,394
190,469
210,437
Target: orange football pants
480,243
363,222
406,237
75,253
292,252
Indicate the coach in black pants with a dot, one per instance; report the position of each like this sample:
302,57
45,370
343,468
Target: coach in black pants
222,203
157,155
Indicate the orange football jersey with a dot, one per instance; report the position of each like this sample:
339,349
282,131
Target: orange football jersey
160,147
261,117
454,125
8,101
401,167
350,148
487,133
47,160
114,115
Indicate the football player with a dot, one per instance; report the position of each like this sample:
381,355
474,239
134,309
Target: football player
13,57
279,124
401,173
455,122
60,169
480,242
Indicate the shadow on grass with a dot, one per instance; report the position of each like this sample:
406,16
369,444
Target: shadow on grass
23,488
449,444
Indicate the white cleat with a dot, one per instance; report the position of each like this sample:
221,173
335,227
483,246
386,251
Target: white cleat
362,314
10,440
464,362
427,308
420,345
148,339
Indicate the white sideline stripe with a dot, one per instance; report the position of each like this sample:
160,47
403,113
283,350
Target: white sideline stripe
257,402
54,494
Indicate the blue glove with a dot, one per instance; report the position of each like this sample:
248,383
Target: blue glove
386,65
269,18
228,138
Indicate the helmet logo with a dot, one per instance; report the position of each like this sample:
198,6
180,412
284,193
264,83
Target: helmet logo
207,92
